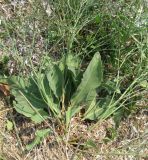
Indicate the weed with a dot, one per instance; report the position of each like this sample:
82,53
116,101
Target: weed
77,58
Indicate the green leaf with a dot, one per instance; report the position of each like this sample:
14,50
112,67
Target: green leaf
40,135
100,110
33,144
41,116
92,79
43,133
97,19
90,144
90,110
111,87
118,115
40,85
70,86
55,78
29,106
73,63
52,101
107,112
90,97
17,82
3,79
9,125
94,112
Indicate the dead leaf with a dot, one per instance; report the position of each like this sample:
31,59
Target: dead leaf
5,89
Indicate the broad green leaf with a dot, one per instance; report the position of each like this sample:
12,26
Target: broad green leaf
91,97
40,134
52,101
94,113
43,133
17,82
40,116
92,79
45,92
90,108
33,88
99,110
29,106
73,64
36,141
55,78
70,86
108,107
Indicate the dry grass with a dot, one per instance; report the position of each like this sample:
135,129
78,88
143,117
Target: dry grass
3,113
130,142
